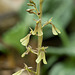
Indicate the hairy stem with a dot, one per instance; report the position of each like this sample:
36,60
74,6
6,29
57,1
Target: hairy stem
40,38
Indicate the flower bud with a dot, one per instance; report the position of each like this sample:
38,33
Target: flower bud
30,4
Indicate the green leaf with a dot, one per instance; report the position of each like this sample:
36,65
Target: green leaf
61,11
70,51
13,36
3,49
63,69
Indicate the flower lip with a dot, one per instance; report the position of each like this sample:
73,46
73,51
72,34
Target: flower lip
24,41
41,57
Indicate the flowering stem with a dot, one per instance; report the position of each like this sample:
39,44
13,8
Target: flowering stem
40,38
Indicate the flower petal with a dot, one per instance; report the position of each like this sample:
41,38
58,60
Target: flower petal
58,31
19,72
25,40
39,58
32,32
54,31
25,53
35,30
29,48
44,59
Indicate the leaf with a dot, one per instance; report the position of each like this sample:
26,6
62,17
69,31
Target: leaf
70,51
12,37
3,49
18,31
63,69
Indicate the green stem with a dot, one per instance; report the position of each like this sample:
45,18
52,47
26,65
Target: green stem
40,38
32,71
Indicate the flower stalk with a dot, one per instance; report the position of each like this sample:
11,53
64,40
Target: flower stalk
40,38
38,31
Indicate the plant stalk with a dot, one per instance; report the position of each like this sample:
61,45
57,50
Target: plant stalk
40,38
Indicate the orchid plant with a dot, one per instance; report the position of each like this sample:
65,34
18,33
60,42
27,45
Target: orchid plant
38,31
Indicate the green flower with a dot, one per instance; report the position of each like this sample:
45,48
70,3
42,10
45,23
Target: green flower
25,53
26,68
29,49
55,30
42,55
19,72
37,29
24,41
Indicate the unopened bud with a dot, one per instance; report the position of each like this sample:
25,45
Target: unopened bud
30,4
30,11
39,13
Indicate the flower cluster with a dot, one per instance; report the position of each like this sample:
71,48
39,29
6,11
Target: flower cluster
38,32
40,52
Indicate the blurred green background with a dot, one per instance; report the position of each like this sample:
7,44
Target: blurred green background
14,25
